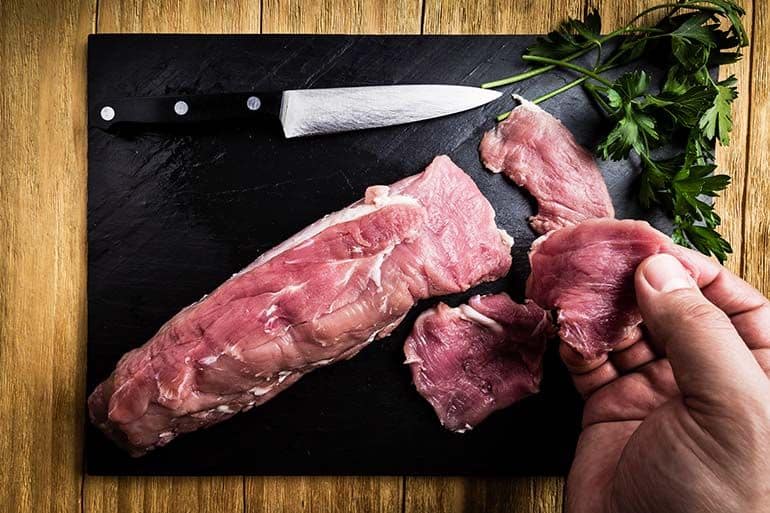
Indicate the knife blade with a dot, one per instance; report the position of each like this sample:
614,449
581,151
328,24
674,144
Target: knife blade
301,112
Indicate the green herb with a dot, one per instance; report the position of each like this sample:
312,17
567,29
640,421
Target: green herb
717,120
689,107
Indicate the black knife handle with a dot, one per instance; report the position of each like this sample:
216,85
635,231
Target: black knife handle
184,109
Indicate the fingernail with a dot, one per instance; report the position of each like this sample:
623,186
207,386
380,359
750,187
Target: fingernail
665,273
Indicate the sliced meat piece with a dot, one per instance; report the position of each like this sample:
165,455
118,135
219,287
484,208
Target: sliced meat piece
477,358
319,297
586,272
538,153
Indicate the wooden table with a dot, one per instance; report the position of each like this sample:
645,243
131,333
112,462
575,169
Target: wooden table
43,243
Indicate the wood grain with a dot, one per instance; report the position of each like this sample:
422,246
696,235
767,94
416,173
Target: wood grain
163,494
481,495
756,267
527,494
616,13
342,16
327,494
42,252
191,16
494,17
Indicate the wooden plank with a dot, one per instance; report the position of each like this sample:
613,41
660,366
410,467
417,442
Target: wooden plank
525,494
338,493
327,494
170,494
495,17
162,495
42,252
342,16
191,16
40,294
757,222
469,495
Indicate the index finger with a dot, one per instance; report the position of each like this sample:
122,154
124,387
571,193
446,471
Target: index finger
748,309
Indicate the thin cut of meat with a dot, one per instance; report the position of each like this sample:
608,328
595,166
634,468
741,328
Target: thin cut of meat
586,272
477,358
319,297
538,153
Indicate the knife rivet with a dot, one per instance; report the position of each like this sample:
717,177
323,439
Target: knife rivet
253,103
107,113
181,107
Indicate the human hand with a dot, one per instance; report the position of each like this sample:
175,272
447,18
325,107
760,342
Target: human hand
679,422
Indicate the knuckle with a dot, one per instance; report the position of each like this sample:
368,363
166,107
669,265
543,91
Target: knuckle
690,308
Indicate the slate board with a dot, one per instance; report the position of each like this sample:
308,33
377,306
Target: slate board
172,215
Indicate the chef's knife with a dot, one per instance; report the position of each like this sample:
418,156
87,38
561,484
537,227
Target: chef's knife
300,112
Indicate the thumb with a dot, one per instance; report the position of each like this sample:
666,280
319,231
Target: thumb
710,361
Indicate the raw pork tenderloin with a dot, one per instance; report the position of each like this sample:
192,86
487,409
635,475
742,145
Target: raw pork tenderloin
319,297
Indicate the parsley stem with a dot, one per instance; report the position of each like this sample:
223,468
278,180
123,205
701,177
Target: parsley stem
533,72
517,78
713,6
558,91
570,85
566,87
549,95
591,89
568,65
544,69
636,30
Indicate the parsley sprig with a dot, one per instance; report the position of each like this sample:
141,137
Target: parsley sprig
689,109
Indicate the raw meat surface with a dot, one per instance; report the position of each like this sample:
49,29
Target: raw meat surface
319,297
586,272
477,358
538,153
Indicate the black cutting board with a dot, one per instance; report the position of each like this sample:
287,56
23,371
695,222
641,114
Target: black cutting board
172,215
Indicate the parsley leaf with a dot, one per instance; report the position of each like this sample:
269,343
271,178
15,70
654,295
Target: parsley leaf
733,12
683,108
571,37
632,85
635,129
680,183
692,41
717,121
706,240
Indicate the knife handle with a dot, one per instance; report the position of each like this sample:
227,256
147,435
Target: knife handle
183,110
